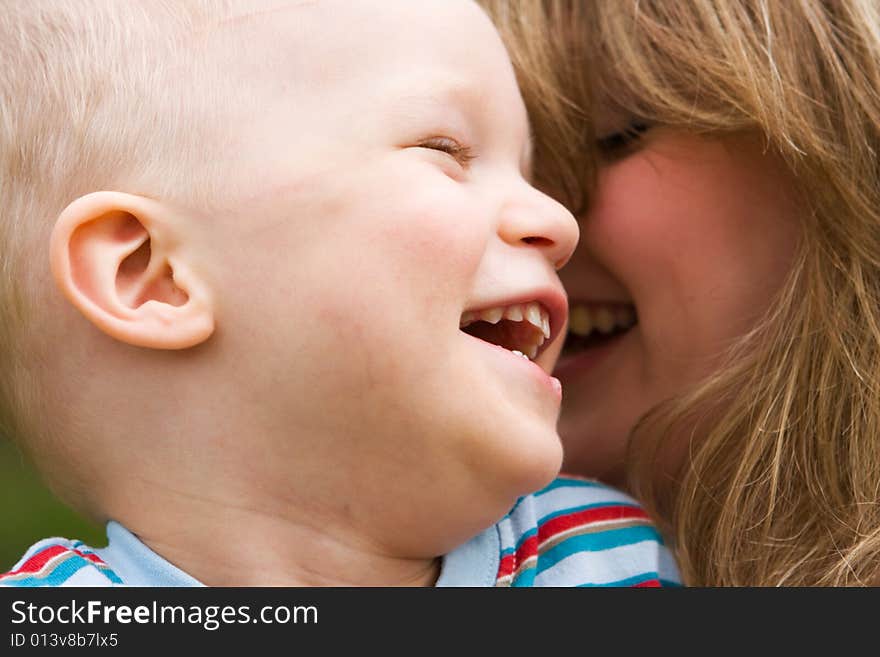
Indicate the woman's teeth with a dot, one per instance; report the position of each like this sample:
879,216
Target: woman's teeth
603,318
522,341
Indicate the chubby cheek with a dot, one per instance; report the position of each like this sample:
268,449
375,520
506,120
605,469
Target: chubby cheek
433,255
700,235
349,284
404,273
702,247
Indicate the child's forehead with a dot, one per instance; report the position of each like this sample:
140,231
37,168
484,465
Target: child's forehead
368,15
400,47
324,29
252,12
348,64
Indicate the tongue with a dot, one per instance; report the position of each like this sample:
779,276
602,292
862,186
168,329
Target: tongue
508,334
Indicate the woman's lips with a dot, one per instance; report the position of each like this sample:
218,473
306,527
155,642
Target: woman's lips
577,361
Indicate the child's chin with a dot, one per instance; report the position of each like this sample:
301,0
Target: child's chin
537,463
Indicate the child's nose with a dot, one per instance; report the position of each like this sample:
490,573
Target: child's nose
538,220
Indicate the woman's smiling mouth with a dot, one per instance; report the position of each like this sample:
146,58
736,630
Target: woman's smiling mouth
595,324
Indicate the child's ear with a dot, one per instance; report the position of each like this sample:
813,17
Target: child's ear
117,258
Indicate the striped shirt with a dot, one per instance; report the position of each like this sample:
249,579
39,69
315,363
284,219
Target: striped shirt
574,532
60,562
577,532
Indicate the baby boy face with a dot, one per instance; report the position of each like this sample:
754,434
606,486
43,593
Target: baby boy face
380,242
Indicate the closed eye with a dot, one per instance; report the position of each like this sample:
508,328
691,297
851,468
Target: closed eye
459,152
623,142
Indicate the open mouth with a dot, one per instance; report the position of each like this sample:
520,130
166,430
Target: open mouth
596,324
523,328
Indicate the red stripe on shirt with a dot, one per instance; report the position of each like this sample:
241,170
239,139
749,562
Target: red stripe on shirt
37,562
528,548
506,567
588,516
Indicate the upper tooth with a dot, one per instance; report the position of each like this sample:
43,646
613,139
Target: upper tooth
533,316
604,320
583,319
513,313
492,315
533,313
579,321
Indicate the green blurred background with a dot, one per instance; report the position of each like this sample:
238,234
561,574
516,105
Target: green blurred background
29,511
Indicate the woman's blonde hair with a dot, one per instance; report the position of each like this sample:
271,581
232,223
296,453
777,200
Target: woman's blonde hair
782,487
